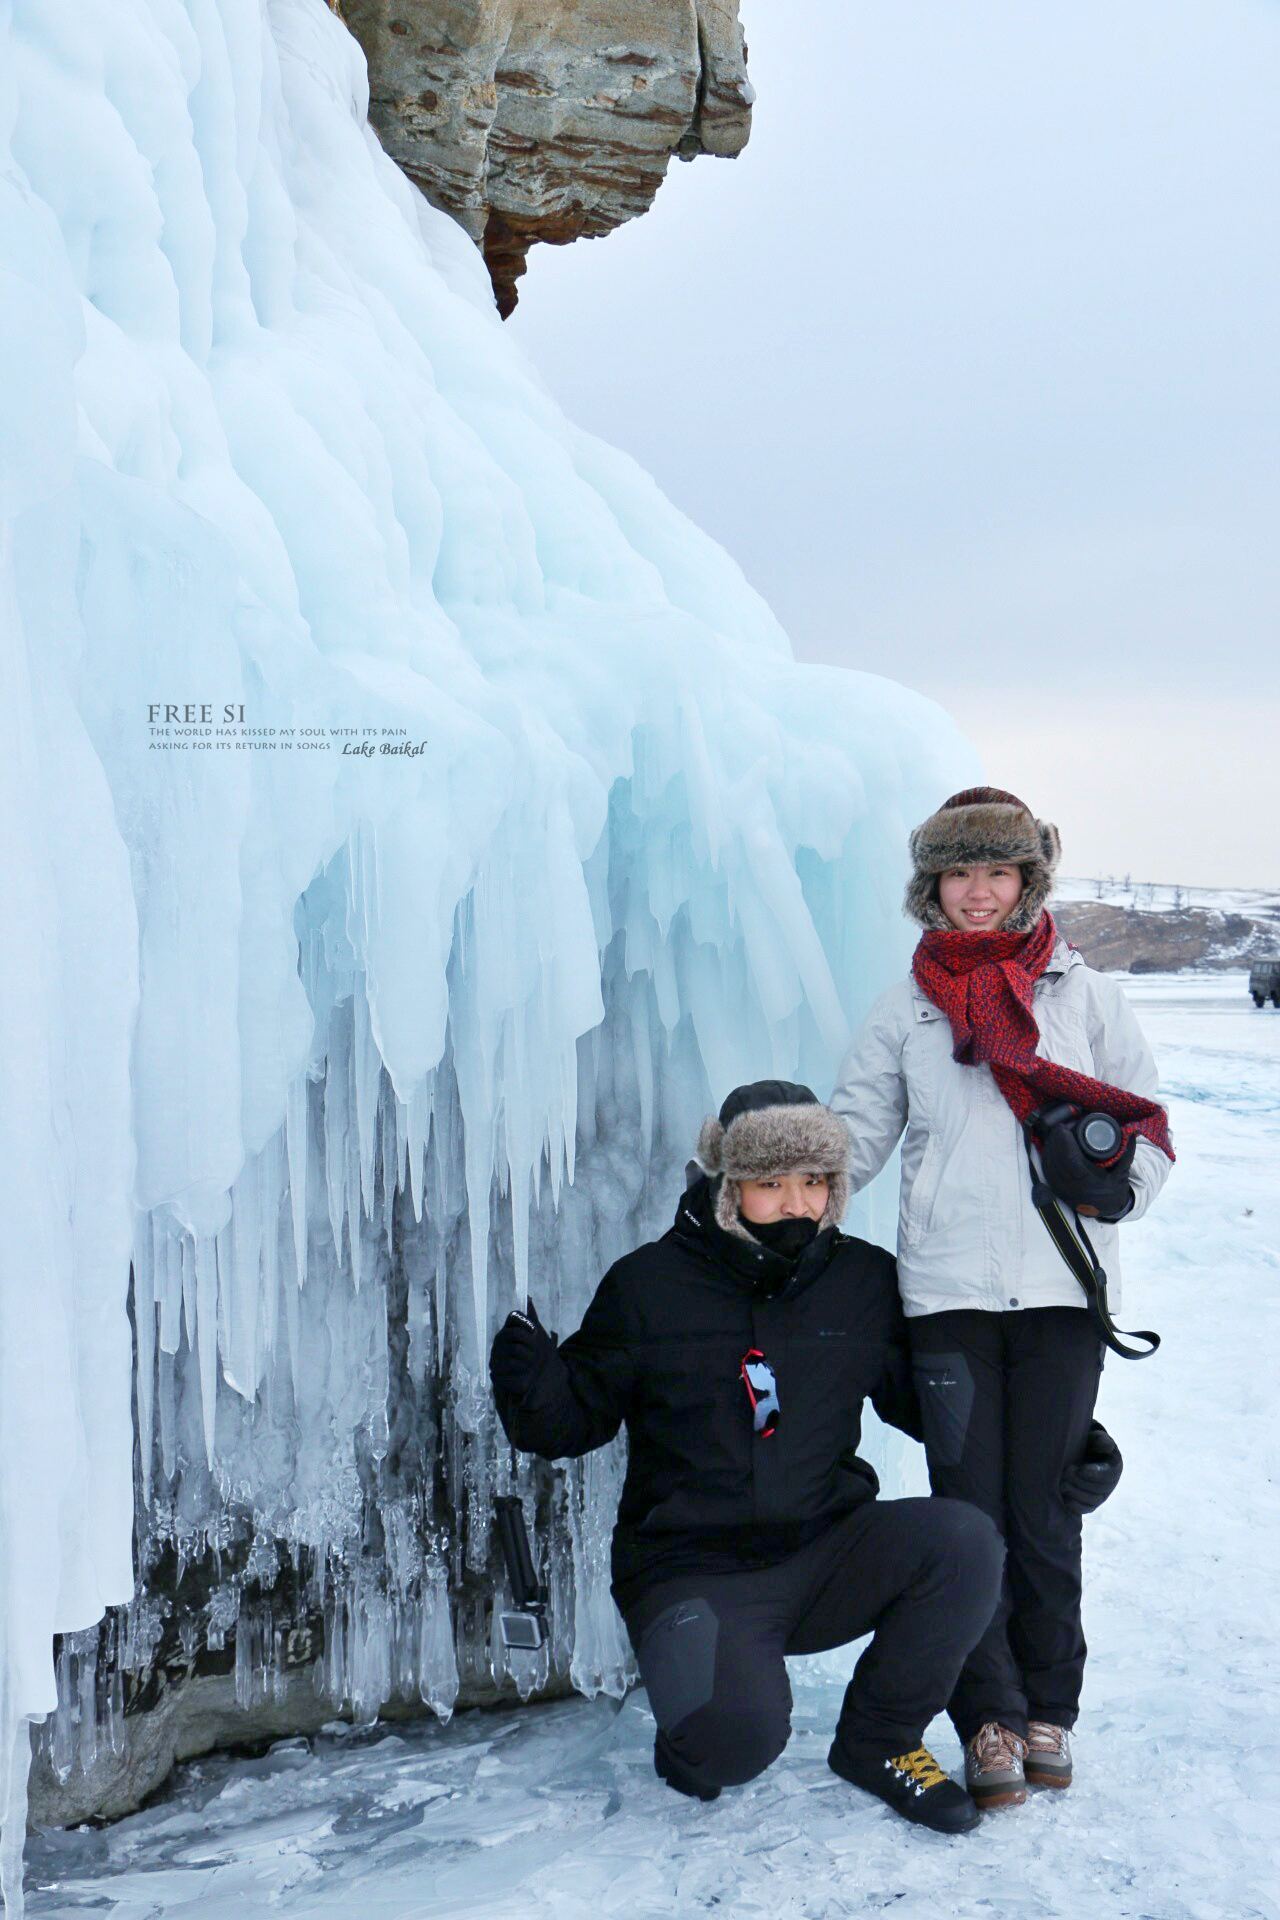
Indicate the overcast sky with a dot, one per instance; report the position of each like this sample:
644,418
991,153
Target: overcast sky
971,361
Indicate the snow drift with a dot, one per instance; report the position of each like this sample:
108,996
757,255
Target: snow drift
342,1054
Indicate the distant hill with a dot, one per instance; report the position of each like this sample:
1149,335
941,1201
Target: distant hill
1140,926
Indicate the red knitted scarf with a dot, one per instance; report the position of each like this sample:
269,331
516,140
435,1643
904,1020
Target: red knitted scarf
984,982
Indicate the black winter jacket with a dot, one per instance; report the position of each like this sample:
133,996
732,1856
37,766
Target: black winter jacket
661,1347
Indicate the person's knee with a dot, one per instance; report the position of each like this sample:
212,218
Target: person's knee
973,1547
728,1746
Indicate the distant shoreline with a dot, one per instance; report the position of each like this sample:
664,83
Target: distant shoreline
1127,926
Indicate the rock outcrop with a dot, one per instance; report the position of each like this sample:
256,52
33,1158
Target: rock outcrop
1126,939
550,120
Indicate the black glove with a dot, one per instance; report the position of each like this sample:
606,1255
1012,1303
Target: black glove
1092,1479
519,1350
1080,1181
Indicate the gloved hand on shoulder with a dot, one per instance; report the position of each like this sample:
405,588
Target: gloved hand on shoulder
1081,1182
519,1351
1094,1477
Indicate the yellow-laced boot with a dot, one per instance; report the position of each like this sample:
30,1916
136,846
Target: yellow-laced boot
913,1784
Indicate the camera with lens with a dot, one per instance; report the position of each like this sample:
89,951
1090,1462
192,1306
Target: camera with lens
1097,1135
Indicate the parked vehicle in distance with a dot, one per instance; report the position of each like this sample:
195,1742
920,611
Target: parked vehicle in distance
1264,982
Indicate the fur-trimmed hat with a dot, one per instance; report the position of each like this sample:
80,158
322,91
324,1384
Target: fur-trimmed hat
770,1128
983,826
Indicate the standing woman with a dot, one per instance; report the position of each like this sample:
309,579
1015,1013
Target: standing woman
1005,1353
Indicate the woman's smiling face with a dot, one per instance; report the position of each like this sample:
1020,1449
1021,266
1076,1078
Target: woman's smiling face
979,899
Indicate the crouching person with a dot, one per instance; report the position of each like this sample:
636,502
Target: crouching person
738,1350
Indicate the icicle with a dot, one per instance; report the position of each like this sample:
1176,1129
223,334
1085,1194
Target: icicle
337,1081
206,1275
478,1153
190,1296
379,1381
331,1674
642,1045
293,1319
518,1150
418,1122
87,1675
240,1362
500,1654
602,1660
387,1148
366,1066
441,1302
148,1241
168,1415
224,1611
368,1673
269,1173
353,1202
15,1766
63,1747
225,1257
255,1651
168,1280
297,1140
117,1738
402,1144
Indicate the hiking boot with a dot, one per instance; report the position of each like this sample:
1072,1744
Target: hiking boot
993,1770
913,1784
1048,1761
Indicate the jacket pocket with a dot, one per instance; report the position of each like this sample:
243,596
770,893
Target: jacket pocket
924,1192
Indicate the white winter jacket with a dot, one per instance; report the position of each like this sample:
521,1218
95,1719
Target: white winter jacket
968,1233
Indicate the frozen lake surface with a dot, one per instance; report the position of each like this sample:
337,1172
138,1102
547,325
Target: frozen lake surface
557,1811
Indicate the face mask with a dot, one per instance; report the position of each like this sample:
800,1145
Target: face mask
787,1237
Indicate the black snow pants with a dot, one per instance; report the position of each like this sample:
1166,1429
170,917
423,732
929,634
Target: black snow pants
924,1574
1006,1401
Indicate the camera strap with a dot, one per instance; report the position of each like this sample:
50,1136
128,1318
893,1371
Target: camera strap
1076,1248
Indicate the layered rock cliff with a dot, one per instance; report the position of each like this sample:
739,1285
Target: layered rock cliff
550,120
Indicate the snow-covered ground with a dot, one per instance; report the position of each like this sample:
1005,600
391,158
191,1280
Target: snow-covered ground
557,1811
1157,896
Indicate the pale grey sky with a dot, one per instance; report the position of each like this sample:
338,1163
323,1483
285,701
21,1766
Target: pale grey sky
971,361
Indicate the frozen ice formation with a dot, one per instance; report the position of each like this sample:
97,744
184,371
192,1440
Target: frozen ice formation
344,1053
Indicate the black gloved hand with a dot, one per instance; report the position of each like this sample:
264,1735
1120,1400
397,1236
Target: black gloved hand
1080,1181
519,1349
1092,1479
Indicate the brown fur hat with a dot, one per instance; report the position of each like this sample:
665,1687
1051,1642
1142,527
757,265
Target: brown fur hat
983,826
769,1128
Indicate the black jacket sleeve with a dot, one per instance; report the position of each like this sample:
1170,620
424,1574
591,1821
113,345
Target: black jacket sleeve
580,1395
894,1397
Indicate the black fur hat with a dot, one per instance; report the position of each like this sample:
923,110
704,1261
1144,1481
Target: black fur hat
769,1128
983,826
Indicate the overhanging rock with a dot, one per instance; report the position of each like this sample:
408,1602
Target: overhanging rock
550,121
